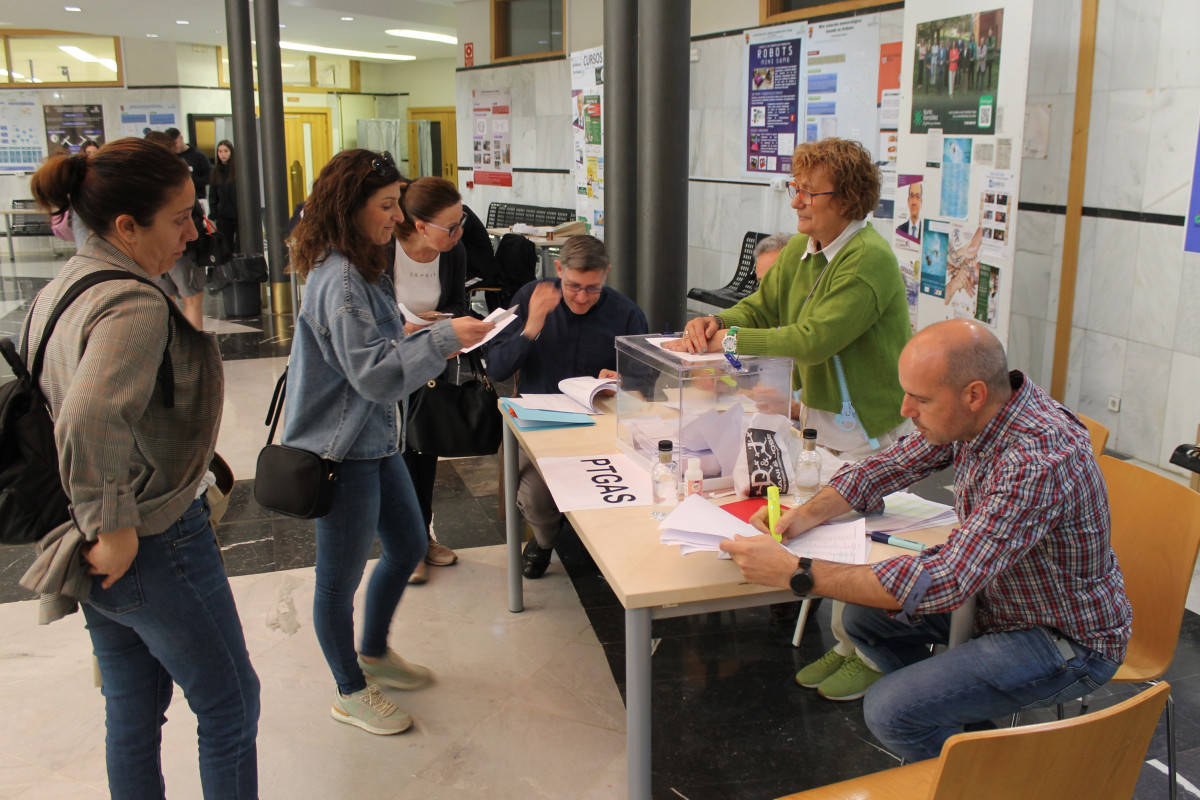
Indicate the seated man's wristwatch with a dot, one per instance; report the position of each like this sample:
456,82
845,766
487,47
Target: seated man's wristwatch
802,579
729,343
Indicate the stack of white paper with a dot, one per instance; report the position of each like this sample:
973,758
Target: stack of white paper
697,525
578,395
904,511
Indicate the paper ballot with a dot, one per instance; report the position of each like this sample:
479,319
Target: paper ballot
696,525
502,318
578,395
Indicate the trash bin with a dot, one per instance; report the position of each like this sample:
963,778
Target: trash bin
241,296
242,299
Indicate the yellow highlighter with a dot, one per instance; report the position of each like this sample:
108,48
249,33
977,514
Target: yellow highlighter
773,512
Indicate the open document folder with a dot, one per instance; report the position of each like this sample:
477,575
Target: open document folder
537,419
697,525
578,395
903,511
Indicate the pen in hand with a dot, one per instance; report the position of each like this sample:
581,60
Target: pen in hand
773,512
896,541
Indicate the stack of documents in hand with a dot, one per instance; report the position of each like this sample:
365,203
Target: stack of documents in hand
578,395
697,525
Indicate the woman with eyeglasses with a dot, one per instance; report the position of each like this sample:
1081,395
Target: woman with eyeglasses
835,303
429,271
351,369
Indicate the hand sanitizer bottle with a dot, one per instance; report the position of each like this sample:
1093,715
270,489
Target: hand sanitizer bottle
665,479
808,469
693,478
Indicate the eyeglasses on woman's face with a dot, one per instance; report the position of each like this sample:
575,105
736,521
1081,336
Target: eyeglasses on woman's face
805,195
384,165
453,229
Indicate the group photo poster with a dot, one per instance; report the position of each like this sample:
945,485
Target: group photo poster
956,73
587,131
68,128
491,136
773,101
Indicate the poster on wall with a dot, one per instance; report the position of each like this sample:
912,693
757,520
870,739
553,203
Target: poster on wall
956,75
138,119
587,130
491,136
1191,239
910,192
22,132
775,67
841,71
69,127
997,199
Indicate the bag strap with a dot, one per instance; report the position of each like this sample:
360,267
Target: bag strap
275,410
166,376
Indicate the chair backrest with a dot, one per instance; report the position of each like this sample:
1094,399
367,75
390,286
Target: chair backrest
1156,535
1096,755
516,262
1098,432
503,215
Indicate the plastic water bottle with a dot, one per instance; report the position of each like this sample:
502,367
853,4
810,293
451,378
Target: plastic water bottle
808,469
665,479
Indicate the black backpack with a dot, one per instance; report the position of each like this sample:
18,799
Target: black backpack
32,500
516,265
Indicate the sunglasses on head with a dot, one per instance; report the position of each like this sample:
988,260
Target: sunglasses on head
384,165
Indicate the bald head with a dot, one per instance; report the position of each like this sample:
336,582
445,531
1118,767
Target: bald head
968,352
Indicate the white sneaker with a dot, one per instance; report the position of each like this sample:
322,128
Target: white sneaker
370,710
394,671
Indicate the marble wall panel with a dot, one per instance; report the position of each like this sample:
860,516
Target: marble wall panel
552,86
1085,267
1093,187
730,166
1172,149
1030,284
1103,375
1143,401
1126,149
1136,33
1037,230
1157,276
1187,318
1178,45
1105,36
1075,368
1026,351
1115,246
555,142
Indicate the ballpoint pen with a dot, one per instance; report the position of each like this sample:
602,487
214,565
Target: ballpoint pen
896,541
773,512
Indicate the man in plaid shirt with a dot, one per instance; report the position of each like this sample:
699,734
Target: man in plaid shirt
1052,620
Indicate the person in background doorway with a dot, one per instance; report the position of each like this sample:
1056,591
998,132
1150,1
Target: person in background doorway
197,162
222,196
428,270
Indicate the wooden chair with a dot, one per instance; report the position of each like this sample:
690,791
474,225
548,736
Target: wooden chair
1156,536
1095,755
1098,432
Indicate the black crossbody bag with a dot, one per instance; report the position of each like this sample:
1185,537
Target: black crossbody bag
288,480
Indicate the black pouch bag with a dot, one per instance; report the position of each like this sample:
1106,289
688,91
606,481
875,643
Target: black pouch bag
288,480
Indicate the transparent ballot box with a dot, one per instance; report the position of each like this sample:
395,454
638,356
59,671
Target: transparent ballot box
701,403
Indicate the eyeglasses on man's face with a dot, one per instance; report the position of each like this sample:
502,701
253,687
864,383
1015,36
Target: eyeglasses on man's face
453,229
384,165
575,288
805,195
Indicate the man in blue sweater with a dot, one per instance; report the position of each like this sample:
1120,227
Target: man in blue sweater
569,327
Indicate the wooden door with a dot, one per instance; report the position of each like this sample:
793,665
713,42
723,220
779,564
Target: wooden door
308,144
446,116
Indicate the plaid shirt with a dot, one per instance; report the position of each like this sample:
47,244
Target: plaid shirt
1034,541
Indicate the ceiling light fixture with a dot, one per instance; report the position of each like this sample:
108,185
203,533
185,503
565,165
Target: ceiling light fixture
182,22
87,57
424,35
335,51
151,35
347,19
72,8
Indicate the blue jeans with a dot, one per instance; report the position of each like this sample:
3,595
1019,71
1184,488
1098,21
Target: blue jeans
171,618
372,496
922,700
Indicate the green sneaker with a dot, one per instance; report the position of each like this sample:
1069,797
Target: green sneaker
850,682
370,710
394,671
811,676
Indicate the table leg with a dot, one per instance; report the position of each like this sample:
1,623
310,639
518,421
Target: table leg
512,523
637,702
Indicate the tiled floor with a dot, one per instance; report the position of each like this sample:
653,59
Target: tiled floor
526,705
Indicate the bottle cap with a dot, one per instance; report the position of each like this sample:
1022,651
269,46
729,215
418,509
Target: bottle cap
665,444
810,433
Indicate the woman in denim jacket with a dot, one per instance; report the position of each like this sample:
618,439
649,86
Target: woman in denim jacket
351,366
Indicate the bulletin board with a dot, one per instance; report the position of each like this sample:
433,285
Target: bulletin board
961,120
587,132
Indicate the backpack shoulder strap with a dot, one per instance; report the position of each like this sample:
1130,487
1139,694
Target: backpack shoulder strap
166,376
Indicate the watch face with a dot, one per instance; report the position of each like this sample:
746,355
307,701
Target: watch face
802,582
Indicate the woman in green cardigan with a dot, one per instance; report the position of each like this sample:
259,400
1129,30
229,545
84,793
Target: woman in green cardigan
835,303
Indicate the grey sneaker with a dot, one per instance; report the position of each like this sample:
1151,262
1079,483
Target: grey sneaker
394,671
439,555
370,710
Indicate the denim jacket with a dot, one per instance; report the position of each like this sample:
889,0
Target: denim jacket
351,365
